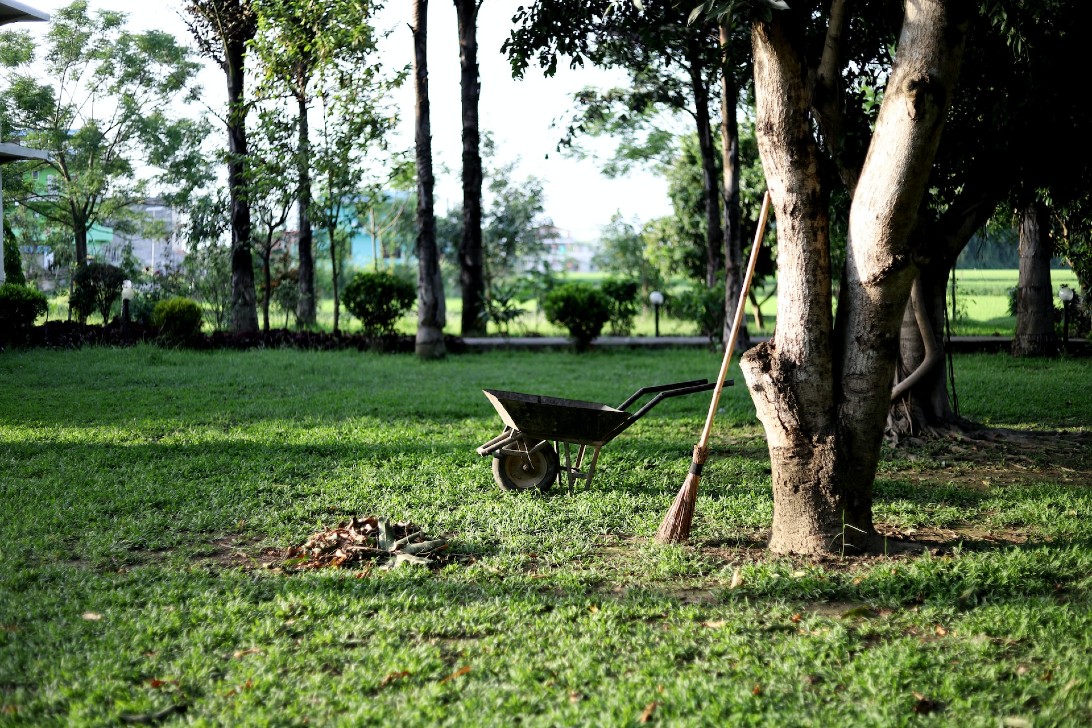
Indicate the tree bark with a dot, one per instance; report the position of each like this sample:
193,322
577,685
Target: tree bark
471,273
244,313
823,397
1034,297
306,309
714,235
431,313
733,229
81,244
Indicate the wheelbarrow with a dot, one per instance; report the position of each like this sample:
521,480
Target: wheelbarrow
523,456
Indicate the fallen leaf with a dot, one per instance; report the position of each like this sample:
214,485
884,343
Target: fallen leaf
795,619
458,673
646,714
239,654
1015,721
575,697
393,677
757,689
737,579
593,609
799,574
91,616
861,611
941,631
715,624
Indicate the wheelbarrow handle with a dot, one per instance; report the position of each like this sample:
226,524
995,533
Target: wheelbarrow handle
664,393
662,388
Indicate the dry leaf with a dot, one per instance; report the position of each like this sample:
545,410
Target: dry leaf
737,579
646,714
458,673
795,619
91,616
715,624
575,697
393,677
757,689
941,631
925,706
238,654
1015,721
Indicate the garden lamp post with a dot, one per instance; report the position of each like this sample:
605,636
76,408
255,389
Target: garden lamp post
1065,295
127,293
656,299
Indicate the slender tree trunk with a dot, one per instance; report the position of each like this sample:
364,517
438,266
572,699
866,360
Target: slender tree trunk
306,309
714,235
334,272
471,273
823,398
1034,298
733,233
81,244
244,313
267,280
431,312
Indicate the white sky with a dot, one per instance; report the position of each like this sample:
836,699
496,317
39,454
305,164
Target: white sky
519,114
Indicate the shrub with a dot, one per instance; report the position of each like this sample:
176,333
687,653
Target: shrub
19,307
703,306
580,308
622,293
378,299
502,306
96,287
178,319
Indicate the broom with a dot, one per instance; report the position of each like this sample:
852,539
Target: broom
676,524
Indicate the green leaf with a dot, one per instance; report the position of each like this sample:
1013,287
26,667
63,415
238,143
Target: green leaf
695,14
777,4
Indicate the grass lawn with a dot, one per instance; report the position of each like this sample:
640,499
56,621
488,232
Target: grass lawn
146,493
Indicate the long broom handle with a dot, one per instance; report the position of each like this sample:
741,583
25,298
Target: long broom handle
731,343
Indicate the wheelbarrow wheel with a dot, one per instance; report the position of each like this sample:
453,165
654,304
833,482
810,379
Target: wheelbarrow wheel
523,472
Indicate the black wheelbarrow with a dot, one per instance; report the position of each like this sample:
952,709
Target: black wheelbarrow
523,456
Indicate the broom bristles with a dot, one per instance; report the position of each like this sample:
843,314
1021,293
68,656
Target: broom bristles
676,524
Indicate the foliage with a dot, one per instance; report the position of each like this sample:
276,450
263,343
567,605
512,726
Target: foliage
208,272
622,295
178,320
622,252
13,259
378,299
285,286
20,306
581,308
701,305
101,100
502,305
96,287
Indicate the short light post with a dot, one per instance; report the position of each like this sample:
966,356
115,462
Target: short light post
1065,295
656,299
127,293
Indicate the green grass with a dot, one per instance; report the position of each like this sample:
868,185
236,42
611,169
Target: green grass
140,488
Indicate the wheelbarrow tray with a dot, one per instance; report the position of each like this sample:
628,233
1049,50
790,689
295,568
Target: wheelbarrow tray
552,418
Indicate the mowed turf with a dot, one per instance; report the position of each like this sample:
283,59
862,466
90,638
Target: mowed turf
146,493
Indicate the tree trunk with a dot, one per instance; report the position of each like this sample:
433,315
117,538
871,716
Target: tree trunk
244,313
1034,297
823,398
431,312
81,244
267,280
306,309
471,274
714,236
733,233
331,232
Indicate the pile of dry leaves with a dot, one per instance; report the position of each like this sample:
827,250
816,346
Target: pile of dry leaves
369,541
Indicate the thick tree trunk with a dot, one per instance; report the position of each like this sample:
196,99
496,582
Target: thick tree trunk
1034,297
714,235
244,312
471,273
823,399
733,232
431,313
81,244
306,308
